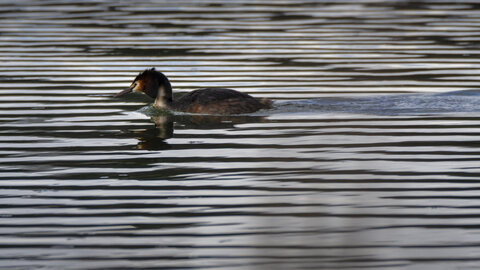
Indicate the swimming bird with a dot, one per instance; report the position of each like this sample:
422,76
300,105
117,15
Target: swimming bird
203,101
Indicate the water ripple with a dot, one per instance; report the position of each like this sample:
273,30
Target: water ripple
369,158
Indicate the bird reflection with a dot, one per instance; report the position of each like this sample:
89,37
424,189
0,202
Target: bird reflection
155,138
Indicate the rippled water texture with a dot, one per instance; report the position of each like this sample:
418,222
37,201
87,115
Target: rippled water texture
370,158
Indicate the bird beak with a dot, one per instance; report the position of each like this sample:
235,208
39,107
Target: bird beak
124,92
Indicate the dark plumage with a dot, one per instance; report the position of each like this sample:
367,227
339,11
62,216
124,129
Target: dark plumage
206,101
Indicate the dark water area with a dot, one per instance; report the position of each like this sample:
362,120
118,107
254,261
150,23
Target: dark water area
370,158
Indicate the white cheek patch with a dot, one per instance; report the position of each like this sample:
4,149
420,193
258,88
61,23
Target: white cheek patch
136,87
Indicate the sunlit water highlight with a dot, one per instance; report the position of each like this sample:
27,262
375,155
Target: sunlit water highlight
369,158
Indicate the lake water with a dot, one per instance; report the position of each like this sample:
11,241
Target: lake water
370,158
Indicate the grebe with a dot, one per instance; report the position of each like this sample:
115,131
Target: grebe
205,101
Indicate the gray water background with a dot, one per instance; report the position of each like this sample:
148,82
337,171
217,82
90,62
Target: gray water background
369,159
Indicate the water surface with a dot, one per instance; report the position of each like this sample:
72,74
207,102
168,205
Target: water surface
370,158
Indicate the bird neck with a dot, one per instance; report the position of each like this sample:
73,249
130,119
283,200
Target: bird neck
164,97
